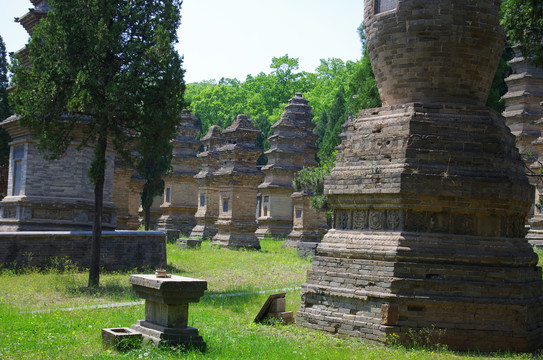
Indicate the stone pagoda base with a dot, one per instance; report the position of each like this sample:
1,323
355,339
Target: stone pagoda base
236,235
204,231
40,213
447,282
429,204
309,226
305,241
199,232
176,226
273,228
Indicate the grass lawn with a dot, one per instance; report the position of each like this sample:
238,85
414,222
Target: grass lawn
35,322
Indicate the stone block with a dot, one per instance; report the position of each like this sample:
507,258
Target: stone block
122,339
166,309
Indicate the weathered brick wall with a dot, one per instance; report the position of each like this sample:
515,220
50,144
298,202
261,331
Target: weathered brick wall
120,250
429,194
416,58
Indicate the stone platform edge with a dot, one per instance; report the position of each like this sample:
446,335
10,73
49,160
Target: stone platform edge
120,250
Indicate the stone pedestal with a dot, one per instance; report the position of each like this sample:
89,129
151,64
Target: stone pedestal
291,148
208,188
309,226
429,194
237,181
166,309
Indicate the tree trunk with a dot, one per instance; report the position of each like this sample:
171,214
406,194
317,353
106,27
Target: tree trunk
147,217
100,157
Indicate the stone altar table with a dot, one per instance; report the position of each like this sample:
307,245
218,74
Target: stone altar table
167,308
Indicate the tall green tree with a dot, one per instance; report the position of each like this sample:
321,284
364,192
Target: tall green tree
362,84
5,110
110,66
4,106
336,118
523,21
499,87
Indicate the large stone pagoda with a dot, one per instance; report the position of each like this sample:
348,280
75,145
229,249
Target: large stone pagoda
208,189
524,115
35,199
237,180
290,150
429,193
180,188
51,194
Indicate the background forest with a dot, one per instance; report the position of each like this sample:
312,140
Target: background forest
336,90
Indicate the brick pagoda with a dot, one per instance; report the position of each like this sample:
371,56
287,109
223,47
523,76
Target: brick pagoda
208,189
290,150
180,188
523,116
429,193
238,179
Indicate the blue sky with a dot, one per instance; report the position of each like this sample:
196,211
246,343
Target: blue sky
233,38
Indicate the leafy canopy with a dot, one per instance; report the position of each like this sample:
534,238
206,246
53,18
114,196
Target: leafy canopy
523,21
5,110
106,72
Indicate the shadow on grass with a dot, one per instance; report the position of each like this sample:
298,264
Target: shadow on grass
112,291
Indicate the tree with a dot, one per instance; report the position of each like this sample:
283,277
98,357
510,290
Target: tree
312,180
362,85
336,118
4,106
523,21
499,87
5,110
111,67
284,68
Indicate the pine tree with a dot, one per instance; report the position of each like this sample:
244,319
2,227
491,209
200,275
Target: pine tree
110,66
336,118
5,110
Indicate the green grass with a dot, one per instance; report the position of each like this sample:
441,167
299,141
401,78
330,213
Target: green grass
225,322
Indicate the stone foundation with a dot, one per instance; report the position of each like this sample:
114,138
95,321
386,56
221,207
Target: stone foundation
441,241
120,250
